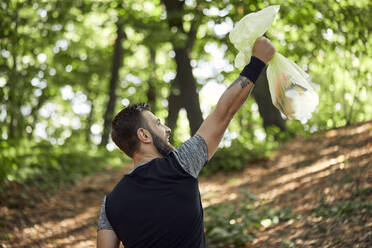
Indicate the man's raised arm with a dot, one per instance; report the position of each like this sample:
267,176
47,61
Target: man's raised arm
213,128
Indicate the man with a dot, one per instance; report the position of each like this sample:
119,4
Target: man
158,203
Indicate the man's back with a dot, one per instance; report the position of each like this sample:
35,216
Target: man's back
158,203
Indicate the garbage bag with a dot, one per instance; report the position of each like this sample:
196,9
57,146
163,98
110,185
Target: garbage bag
290,87
248,29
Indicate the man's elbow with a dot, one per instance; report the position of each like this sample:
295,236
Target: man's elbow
107,239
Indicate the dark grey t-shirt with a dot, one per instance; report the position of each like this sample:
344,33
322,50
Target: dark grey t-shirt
191,155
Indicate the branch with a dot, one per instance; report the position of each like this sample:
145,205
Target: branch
191,36
174,7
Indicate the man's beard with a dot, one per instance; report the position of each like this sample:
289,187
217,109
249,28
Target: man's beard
162,146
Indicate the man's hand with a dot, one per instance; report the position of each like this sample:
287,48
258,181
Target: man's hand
263,49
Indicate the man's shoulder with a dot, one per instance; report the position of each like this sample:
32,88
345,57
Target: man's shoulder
192,155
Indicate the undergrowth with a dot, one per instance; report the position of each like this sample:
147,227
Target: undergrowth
358,203
45,165
231,224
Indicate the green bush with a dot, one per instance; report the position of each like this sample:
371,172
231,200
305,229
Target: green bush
232,225
41,163
240,153
229,158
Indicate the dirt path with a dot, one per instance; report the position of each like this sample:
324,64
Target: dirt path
304,173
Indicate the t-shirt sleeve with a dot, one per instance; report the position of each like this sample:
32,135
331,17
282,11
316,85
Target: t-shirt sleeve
192,155
103,222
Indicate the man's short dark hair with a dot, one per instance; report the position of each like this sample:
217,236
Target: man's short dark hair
125,126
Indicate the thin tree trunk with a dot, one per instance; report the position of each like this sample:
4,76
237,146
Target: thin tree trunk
175,103
13,106
187,86
89,122
35,114
269,113
117,62
151,92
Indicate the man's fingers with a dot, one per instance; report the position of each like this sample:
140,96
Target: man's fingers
263,49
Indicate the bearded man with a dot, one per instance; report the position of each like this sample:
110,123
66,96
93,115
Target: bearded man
158,203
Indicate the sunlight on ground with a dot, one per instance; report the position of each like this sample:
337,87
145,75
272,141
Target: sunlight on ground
351,131
217,191
296,178
53,229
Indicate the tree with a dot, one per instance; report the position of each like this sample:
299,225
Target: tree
269,113
116,64
184,82
151,91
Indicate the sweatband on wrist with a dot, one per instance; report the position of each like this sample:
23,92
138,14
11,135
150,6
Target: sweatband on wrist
253,69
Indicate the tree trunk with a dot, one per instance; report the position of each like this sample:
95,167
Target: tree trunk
15,100
185,78
117,62
151,92
269,113
175,103
187,86
89,122
35,114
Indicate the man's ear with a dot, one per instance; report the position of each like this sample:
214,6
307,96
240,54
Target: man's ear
144,136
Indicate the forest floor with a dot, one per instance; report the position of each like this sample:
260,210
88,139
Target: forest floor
326,180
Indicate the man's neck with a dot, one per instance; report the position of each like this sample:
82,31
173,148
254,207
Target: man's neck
142,158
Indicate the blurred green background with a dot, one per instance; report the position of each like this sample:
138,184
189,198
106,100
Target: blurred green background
66,67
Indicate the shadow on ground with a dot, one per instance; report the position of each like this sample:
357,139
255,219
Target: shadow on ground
304,174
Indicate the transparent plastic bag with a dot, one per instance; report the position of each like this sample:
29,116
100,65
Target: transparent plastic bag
248,29
290,87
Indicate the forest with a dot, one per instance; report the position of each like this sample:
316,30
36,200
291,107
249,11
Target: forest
67,67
